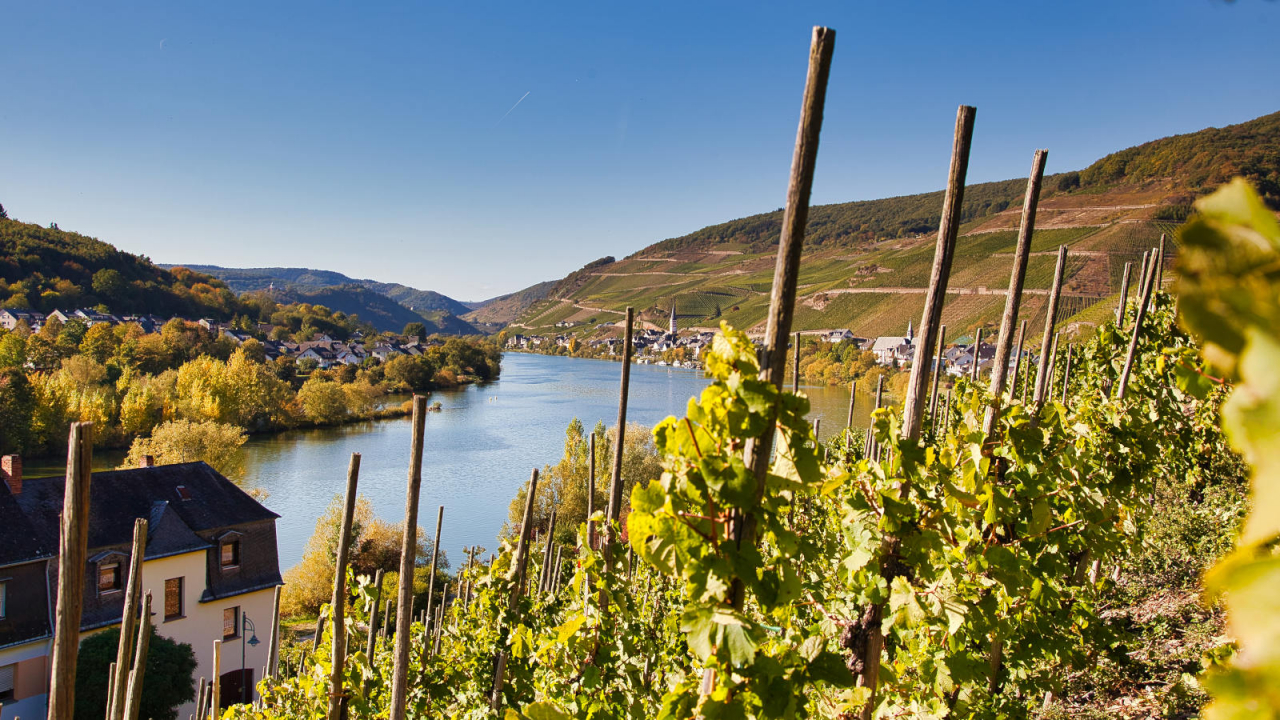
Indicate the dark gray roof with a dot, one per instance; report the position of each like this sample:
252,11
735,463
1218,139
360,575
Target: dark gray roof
117,497
19,541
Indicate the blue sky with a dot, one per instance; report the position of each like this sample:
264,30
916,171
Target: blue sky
370,138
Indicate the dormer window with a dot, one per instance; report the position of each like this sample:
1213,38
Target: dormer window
108,577
183,492
231,552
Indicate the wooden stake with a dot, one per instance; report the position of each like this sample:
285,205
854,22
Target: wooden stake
1137,331
431,578
202,699
615,484
1050,318
338,603
273,642
786,272
1146,265
1053,365
111,688
373,616
853,395
1160,264
320,621
133,698
72,549
795,368
937,374
215,685
408,560
545,572
1124,295
591,489
516,577
1017,360
913,406
930,321
1066,375
1013,301
977,356
555,574
128,621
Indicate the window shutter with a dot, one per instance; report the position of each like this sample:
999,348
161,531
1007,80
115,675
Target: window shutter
6,679
173,598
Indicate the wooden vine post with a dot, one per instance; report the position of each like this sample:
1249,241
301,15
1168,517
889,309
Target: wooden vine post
591,489
795,367
1050,318
1017,360
273,641
545,575
373,615
1013,301
128,622
853,395
913,406
786,273
515,576
1137,331
408,559
132,702
977,356
431,577
337,696
73,544
1124,295
1160,263
1066,375
215,687
615,482
937,374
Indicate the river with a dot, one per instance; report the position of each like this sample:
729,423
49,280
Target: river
479,448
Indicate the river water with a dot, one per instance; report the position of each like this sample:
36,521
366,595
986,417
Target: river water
479,448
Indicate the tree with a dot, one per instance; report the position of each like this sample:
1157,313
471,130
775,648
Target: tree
179,441
375,545
169,680
109,284
323,402
416,330
3,215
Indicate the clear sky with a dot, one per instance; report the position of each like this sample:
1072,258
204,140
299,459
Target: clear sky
386,141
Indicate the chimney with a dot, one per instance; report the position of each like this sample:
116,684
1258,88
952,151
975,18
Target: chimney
11,472
147,461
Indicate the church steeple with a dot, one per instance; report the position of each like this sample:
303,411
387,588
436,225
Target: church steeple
673,320
910,332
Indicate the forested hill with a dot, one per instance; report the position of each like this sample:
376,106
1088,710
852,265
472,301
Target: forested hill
866,264
1191,163
45,268
247,279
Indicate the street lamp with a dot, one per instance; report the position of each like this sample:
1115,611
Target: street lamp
246,625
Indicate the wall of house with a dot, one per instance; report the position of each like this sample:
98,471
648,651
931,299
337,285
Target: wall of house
31,680
201,623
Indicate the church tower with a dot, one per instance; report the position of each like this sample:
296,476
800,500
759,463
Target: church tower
673,320
910,332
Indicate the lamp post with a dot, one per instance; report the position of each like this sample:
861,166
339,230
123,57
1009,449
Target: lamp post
246,625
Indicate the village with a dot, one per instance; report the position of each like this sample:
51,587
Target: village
654,346
322,350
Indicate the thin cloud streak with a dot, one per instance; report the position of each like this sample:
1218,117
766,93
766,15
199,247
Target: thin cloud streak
513,107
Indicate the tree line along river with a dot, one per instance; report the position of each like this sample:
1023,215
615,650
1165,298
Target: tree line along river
479,448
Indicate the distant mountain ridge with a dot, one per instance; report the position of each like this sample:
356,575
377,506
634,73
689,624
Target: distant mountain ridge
249,279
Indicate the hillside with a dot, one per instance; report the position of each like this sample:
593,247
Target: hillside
506,308
47,269
247,279
866,264
381,311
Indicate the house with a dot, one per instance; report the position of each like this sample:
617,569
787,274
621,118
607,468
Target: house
891,349
10,318
210,564
92,317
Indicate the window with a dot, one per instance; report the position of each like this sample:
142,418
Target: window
6,682
4,600
230,553
108,577
172,599
231,622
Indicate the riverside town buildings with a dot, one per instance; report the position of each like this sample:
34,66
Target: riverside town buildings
210,564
